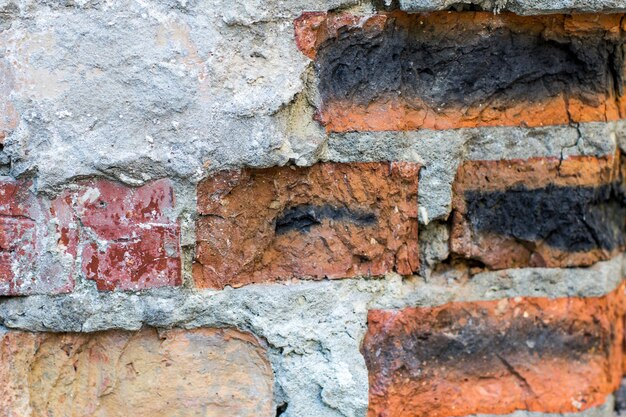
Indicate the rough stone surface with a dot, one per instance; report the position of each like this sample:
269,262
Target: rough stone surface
204,372
534,354
313,329
172,80
327,221
539,212
140,90
526,7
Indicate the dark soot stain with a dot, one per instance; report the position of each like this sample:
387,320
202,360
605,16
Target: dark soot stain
473,341
568,218
302,217
461,66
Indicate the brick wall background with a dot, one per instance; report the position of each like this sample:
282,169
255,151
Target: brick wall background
312,208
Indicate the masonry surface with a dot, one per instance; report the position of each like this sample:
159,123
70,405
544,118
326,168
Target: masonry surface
313,208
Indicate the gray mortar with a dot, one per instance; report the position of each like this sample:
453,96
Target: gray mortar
313,329
441,152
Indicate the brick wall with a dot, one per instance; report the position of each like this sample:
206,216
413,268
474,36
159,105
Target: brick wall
312,208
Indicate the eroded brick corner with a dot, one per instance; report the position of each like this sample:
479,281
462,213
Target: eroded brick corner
329,220
495,357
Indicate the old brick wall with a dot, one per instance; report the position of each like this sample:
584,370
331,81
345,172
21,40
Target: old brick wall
312,208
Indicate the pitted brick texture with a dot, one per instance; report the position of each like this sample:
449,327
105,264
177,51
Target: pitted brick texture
160,156
207,372
539,212
398,71
325,221
130,242
495,357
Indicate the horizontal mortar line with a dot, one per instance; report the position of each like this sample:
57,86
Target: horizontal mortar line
392,292
396,141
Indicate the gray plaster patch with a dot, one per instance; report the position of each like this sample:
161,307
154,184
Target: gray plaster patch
172,91
313,329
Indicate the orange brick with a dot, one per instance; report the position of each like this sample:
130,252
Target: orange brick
495,357
209,372
326,221
443,70
538,212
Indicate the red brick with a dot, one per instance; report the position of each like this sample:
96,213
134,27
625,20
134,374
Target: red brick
17,246
326,221
30,253
495,357
129,242
125,235
149,259
538,212
442,70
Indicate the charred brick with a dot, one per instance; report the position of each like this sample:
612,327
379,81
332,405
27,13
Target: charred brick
302,217
568,218
459,68
494,357
398,71
540,212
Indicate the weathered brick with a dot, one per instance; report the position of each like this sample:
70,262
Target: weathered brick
495,357
399,71
539,212
206,372
129,241
30,251
325,221
124,234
